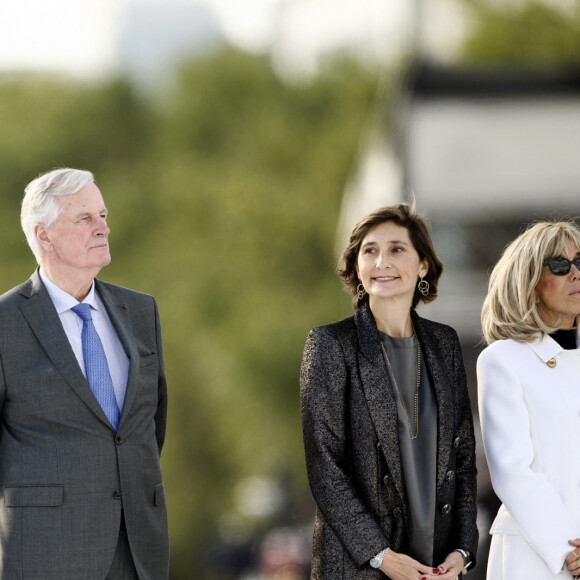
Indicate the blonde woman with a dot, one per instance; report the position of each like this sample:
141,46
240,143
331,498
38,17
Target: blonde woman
529,404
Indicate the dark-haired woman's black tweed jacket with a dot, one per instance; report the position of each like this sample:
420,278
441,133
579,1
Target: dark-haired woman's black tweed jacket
351,439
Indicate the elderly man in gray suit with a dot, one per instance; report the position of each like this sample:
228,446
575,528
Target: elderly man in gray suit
83,403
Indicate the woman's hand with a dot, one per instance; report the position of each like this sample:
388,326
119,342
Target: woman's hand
401,567
573,558
449,570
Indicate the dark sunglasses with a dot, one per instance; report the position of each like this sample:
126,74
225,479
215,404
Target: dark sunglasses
561,266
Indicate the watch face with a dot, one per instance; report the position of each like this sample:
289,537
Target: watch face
375,563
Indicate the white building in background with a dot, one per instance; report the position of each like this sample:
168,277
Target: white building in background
502,143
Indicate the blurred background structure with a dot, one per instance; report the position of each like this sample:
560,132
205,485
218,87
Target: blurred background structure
236,143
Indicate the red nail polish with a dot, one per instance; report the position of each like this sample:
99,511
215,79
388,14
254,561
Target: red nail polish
435,571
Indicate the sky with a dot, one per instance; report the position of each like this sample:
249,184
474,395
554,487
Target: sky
81,37
60,34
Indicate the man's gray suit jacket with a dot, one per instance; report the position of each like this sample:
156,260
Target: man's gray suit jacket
65,475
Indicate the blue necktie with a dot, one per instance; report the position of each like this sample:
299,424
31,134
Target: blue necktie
96,367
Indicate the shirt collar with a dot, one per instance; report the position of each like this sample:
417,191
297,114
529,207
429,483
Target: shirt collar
62,300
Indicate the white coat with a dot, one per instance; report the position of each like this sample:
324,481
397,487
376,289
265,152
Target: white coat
530,418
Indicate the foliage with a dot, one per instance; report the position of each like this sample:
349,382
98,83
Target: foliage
223,202
532,34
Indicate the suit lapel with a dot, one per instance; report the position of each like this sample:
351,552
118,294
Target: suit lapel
439,374
379,393
117,312
43,319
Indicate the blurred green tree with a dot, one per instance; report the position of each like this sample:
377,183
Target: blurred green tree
531,34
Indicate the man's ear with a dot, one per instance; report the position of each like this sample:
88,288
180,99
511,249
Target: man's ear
42,236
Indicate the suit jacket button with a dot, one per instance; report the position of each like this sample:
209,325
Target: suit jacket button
119,441
387,479
456,442
398,512
379,445
450,475
117,494
446,509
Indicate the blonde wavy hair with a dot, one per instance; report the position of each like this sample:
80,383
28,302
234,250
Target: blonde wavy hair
510,309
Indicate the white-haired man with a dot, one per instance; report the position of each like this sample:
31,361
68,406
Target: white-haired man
83,403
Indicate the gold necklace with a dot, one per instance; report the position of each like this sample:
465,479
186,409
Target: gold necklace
416,392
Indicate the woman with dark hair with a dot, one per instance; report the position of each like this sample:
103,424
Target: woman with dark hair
388,430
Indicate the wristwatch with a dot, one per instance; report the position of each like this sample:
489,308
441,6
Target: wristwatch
466,559
377,561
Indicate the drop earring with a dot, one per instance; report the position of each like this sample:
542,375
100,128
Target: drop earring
423,286
360,291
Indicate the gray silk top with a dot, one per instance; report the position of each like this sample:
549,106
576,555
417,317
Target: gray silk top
419,456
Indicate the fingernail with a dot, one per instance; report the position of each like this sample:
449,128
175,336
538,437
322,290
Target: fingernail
435,571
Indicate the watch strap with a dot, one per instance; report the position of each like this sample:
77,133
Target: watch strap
377,561
466,559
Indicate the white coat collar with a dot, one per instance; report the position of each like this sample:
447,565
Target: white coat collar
547,348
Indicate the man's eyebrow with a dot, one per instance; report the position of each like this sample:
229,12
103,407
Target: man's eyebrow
85,214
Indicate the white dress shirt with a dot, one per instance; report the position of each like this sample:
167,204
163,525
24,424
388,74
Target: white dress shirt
117,358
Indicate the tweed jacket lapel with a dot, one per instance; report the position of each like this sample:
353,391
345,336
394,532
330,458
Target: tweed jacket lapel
441,375
379,393
118,315
44,321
